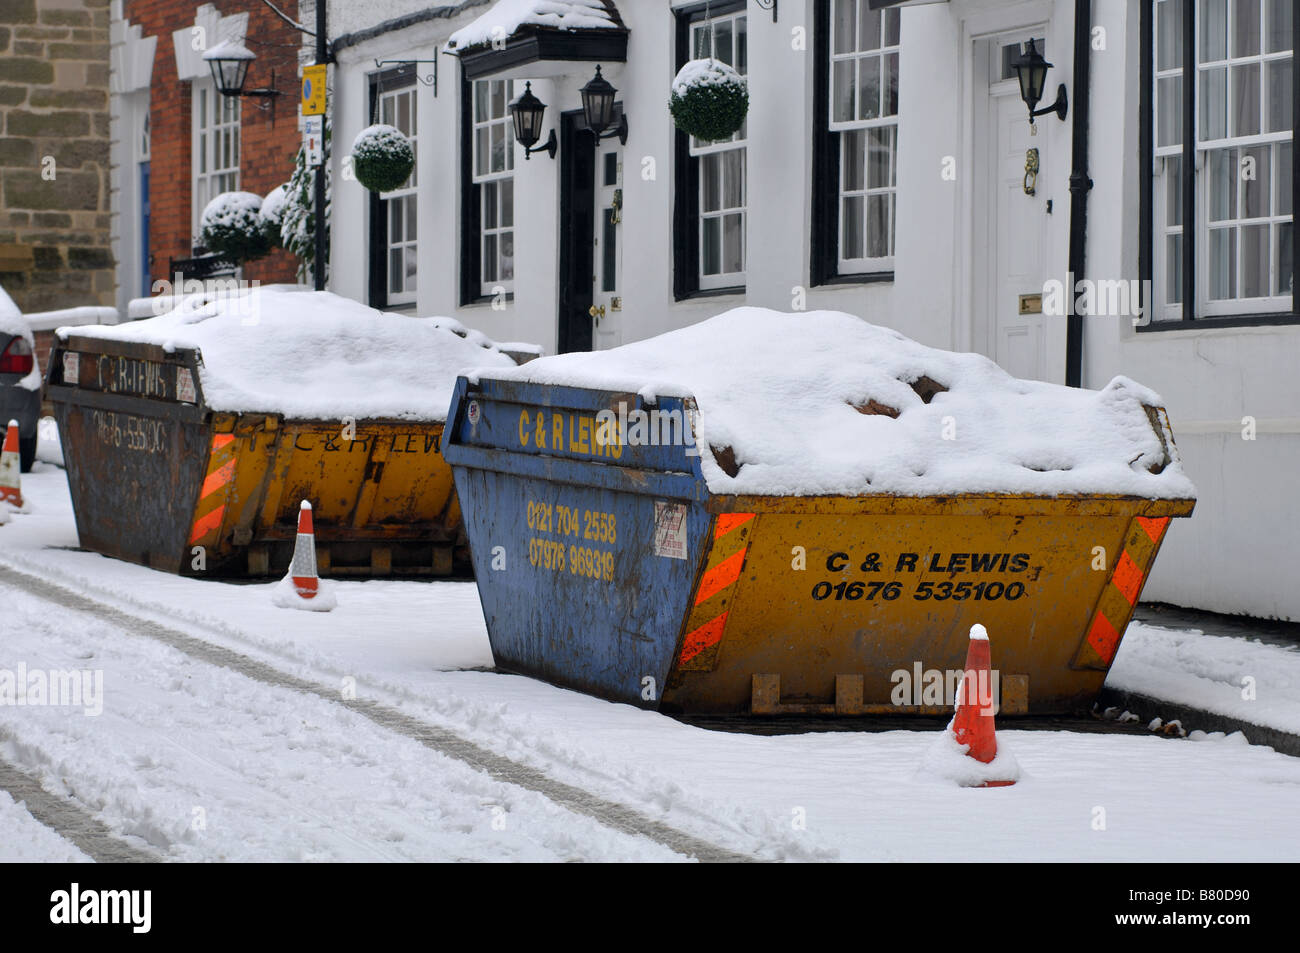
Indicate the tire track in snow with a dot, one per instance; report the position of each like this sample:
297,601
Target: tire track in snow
616,816
70,821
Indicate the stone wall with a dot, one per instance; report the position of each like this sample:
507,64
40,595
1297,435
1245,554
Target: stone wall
54,143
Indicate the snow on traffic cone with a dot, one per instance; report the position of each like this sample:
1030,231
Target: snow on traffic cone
303,568
972,723
11,469
968,751
302,588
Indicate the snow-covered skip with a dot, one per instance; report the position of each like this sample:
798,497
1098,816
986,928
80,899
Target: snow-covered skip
315,355
806,402
287,776
507,16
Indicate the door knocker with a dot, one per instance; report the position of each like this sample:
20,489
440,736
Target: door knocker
1031,171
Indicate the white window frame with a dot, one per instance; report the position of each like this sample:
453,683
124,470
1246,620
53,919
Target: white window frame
493,183
1165,156
717,152
853,59
1167,310
1239,305
214,124
406,198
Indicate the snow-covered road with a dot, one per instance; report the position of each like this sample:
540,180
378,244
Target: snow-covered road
227,733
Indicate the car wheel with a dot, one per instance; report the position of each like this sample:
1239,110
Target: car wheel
27,452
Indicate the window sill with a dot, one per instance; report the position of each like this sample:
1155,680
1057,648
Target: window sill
485,299
863,279
1268,319
711,293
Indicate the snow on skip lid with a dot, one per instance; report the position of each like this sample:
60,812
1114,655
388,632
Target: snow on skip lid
507,16
314,355
804,401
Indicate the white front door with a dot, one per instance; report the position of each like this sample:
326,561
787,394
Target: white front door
1012,269
608,259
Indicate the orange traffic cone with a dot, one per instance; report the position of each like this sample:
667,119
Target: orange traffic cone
302,588
303,568
11,469
972,724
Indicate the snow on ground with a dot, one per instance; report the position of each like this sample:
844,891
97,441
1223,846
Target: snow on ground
24,839
1240,678
291,777
315,355
797,397
202,763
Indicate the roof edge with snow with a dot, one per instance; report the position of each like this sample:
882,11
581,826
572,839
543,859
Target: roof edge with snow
483,53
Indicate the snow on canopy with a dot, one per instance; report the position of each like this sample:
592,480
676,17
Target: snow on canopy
314,355
807,405
507,16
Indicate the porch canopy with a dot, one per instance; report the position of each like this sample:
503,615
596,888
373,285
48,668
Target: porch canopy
540,38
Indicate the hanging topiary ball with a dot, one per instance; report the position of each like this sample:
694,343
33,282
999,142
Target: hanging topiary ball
709,100
231,226
382,158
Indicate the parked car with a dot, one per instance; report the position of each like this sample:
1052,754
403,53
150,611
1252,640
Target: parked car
20,378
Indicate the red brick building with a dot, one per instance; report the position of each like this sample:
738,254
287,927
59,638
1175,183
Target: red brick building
180,142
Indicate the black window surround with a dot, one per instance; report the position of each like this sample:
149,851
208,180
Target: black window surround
471,204
686,172
399,77
1191,215
824,224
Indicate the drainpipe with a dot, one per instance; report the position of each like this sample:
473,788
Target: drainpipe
1080,184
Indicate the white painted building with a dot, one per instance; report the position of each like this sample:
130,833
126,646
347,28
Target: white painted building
882,172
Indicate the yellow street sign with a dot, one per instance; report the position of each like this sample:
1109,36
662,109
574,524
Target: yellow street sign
313,90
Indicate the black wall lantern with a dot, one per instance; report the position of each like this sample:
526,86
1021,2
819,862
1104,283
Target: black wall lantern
598,109
527,111
1031,69
229,63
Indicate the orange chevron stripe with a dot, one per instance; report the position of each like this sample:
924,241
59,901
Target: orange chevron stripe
729,521
721,576
1154,526
205,524
1103,638
222,440
217,480
1127,577
706,635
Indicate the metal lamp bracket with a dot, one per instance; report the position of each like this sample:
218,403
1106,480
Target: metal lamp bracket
430,79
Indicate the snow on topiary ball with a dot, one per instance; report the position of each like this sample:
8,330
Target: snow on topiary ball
382,158
231,226
709,100
272,213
